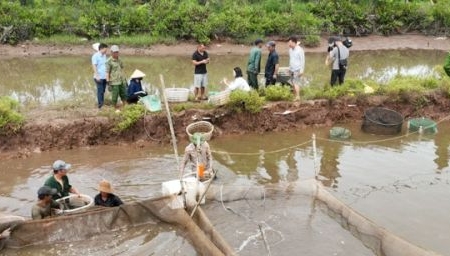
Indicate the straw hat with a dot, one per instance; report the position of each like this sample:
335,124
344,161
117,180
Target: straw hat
105,186
137,74
95,46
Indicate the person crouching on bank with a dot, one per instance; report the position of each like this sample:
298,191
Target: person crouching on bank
135,90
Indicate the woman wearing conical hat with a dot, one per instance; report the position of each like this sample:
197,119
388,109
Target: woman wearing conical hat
105,197
135,90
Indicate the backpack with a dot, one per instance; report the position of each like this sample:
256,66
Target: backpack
447,64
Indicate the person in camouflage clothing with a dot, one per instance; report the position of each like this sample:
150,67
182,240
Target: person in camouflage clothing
115,77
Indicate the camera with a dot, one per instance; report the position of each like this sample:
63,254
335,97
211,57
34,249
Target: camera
346,41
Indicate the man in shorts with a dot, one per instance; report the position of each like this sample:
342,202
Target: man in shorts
296,64
199,59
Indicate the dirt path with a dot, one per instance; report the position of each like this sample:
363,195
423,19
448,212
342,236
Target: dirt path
51,129
220,48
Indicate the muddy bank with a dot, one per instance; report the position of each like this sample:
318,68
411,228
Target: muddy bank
62,133
373,42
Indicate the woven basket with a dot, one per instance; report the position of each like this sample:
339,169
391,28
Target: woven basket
220,98
176,94
203,127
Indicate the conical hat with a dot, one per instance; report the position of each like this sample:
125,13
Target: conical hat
137,74
95,46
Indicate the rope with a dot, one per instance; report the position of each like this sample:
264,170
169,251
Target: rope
328,140
259,153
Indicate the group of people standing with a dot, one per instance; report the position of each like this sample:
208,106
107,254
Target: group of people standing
109,73
296,64
336,59
57,186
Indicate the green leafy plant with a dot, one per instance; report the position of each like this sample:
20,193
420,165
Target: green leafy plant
311,41
10,119
278,93
246,101
129,116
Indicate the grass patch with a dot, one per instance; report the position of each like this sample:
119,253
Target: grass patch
277,93
246,101
10,119
129,115
141,40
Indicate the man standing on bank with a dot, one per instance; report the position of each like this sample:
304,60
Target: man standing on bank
254,64
272,64
99,67
337,57
296,65
115,77
199,59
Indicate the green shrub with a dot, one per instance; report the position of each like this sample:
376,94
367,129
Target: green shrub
129,116
245,101
311,41
10,119
278,93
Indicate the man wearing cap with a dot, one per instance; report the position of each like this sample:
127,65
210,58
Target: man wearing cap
272,64
115,76
296,64
46,206
99,67
60,181
197,153
105,197
135,90
254,64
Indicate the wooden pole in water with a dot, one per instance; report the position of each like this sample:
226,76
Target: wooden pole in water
169,119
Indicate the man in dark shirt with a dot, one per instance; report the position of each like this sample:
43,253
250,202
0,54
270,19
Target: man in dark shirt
106,197
199,59
272,64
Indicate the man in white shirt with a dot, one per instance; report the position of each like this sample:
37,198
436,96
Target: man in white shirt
296,64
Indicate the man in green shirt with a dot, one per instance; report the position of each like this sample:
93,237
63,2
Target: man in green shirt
60,181
115,76
254,64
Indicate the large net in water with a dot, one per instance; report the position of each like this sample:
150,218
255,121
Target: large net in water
289,221
382,121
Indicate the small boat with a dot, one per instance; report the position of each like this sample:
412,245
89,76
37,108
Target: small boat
79,226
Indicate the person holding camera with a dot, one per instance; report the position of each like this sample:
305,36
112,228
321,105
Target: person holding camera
337,57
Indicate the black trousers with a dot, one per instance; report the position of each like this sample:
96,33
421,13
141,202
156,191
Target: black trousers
337,74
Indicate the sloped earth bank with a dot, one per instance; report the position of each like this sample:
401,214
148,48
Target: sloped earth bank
46,130
41,134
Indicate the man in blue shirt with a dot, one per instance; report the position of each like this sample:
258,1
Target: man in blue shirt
99,67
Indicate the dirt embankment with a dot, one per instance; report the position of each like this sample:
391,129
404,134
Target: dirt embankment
66,132
70,133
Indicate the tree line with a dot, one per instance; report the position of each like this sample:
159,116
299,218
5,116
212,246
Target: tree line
205,20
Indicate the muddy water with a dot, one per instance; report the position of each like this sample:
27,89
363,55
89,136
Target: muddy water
51,79
401,182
